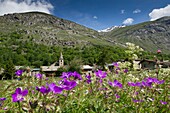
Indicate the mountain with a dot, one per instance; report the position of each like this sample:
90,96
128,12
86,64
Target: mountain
48,30
111,28
150,35
42,28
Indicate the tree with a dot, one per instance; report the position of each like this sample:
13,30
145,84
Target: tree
75,65
9,70
60,71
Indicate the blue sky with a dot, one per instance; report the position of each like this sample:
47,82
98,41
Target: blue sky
95,14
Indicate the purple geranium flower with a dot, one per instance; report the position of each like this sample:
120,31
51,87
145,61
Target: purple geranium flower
66,75
149,81
19,72
117,96
19,95
137,84
44,90
137,101
162,102
68,85
115,84
131,83
39,76
76,75
88,76
55,89
100,74
88,79
115,64
2,99
160,82
126,70
146,84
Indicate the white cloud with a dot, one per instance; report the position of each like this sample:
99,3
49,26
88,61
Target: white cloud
158,13
18,6
95,17
128,21
137,11
122,11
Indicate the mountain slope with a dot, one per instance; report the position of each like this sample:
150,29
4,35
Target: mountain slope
41,28
46,29
151,35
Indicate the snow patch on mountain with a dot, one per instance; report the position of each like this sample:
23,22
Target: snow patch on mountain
111,28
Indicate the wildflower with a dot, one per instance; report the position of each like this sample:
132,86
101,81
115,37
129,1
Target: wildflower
2,99
115,64
159,51
76,75
19,95
150,99
66,75
55,89
39,76
44,90
88,76
160,82
126,70
150,80
88,79
68,85
37,88
146,84
115,84
163,102
19,72
131,83
117,96
137,101
100,74
5,108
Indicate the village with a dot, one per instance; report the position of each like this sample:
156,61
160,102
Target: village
51,70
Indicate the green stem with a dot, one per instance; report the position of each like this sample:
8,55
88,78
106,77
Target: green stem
19,107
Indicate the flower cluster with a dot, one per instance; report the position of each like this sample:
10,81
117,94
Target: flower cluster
68,75
147,82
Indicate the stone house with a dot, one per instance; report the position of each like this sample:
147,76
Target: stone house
86,69
148,64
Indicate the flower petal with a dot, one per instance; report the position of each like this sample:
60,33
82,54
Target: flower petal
25,92
18,91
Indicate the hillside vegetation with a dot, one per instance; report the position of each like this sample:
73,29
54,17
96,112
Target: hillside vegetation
150,36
